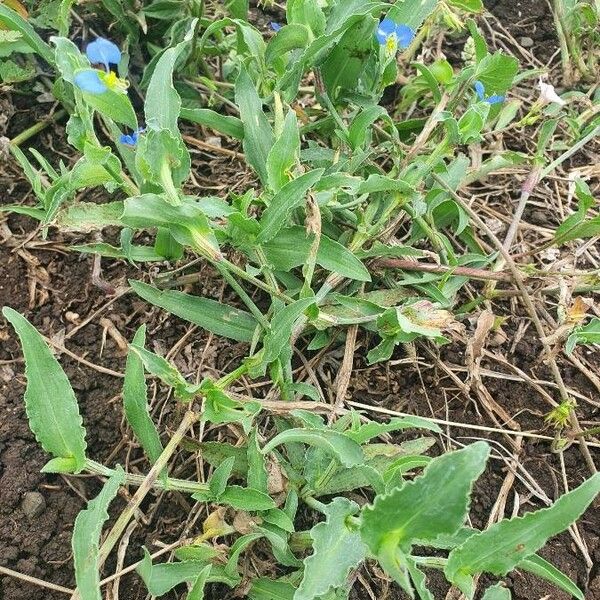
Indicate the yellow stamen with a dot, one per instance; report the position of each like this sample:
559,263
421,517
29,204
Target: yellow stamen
391,43
115,83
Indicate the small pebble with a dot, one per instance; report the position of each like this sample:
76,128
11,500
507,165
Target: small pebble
526,42
33,505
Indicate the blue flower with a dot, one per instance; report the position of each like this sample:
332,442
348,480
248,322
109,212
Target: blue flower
131,139
275,26
89,81
480,91
103,52
393,35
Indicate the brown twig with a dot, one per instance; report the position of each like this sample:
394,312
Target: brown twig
518,279
411,265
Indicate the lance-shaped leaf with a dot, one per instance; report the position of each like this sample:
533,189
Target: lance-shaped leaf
211,315
501,547
258,135
291,246
163,103
347,451
433,504
290,196
337,550
281,328
50,402
542,568
284,153
15,22
86,538
135,401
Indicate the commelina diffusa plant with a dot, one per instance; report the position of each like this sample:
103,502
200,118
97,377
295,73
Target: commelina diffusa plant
335,182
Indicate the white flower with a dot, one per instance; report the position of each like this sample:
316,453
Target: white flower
548,95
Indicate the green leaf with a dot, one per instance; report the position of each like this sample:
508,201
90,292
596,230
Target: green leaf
359,129
497,592
347,451
231,126
542,568
197,591
435,503
238,8
412,13
258,135
419,580
576,226
284,154
246,499
89,216
135,401
114,105
211,315
501,547
257,477
86,538
214,453
220,477
291,195
164,370
496,72
50,402
240,498
15,22
289,37
281,328
586,334
162,158
264,588
187,222
468,5
163,577
337,550
363,433
163,103
291,246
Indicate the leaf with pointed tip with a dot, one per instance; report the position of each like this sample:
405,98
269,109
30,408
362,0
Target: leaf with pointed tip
50,402
284,153
135,401
542,568
419,580
501,547
218,318
336,551
290,196
347,451
258,135
435,503
372,429
86,538
197,591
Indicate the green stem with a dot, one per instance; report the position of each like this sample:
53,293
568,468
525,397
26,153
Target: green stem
254,280
243,295
37,127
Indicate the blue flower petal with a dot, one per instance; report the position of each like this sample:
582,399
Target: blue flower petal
386,28
405,35
479,90
275,26
89,81
104,52
131,139
495,99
